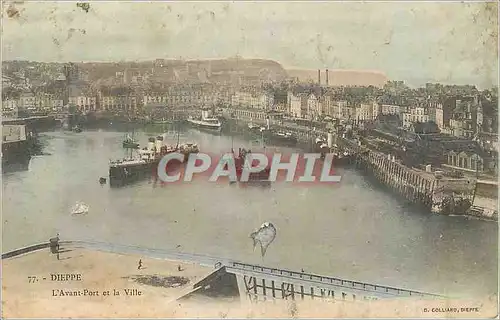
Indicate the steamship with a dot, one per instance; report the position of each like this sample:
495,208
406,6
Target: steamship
261,178
126,171
206,122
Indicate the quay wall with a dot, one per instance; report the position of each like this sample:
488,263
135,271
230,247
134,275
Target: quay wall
412,185
441,195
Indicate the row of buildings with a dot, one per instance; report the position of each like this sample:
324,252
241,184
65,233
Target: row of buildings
86,100
459,117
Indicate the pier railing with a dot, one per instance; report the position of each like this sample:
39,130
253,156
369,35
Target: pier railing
357,285
233,267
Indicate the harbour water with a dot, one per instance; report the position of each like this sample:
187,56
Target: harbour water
351,229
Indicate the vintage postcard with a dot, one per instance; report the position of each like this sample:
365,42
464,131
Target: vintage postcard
238,159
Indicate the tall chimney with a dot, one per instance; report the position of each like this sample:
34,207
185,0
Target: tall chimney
319,76
327,77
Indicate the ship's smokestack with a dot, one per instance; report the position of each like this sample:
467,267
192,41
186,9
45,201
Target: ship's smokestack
319,76
327,77
158,143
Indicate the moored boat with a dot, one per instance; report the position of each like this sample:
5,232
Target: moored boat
130,143
162,121
239,161
279,137
187,149
206,122
145,164
132,169
212,124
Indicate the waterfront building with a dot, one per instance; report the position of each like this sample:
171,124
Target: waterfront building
279,107
48,101
10,104
464,160
27,100
298,105
314,106
466,117
364,112
127,103
83,102
10,108
436,114
390,109
153,98
253,98
57,103
348,112
248,114
415,114
337,109
7,81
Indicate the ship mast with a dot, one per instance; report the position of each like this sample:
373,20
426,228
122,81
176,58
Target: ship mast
232,137
178,133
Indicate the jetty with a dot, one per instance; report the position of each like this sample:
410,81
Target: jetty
431,187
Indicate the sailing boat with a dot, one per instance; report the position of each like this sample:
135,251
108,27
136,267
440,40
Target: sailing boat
130,142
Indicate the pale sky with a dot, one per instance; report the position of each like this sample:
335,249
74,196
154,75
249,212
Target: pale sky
416,42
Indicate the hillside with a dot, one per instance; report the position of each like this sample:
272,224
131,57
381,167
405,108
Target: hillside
222,71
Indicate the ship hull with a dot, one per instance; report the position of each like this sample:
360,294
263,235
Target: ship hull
254,178
127,174
204,127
